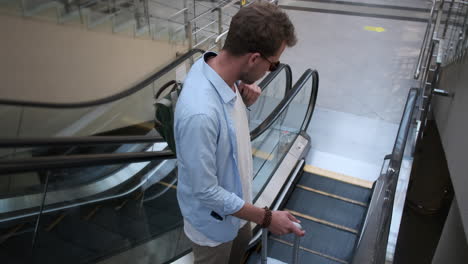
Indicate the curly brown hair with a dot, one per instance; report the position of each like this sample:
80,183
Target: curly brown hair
260,27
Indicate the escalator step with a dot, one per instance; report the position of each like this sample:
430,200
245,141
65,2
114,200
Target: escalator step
326,208
283,252
110,219
325,239
165,203
49,249
74,229
163,222
7,257
134,210
335,187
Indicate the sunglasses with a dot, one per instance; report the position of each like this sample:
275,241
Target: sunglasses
273,65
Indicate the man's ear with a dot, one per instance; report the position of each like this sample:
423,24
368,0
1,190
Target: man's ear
252,58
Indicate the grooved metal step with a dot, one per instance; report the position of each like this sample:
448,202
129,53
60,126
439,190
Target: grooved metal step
331,210
332,186
325,240
283,252
327,208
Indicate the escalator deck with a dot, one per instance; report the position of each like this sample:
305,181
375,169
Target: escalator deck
332,210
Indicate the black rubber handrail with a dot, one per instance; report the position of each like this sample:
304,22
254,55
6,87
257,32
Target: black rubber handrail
111,98
48,164
372,244
284,104
73,161
108,140
270,77
312,101
77,141
58,162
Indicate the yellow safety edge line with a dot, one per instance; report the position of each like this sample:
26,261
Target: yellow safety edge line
311,218
338,176
168,185
331,195
262,155
311,251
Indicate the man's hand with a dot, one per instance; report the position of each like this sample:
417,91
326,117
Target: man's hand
281,221
249,93
282,224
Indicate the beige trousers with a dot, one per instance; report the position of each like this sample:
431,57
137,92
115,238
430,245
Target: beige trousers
226,253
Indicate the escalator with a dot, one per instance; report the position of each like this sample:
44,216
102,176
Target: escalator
346,219
135,216
138,219
331,210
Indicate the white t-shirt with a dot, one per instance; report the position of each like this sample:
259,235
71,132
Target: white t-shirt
244,158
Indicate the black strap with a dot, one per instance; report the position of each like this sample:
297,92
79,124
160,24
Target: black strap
164,87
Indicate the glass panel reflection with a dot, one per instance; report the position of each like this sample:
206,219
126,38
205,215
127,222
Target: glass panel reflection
270,148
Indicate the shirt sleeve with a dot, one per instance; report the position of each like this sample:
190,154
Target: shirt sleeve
197,138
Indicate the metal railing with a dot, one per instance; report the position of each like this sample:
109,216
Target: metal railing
187,22
373,240
445,42
206,31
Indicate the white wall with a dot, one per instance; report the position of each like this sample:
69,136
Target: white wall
452,247
451,114
44,61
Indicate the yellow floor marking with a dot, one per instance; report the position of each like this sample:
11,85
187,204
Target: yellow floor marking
262,155
168,185
376,29
338,176
311,218
332,195
310,251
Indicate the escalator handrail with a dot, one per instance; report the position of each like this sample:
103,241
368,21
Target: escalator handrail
74,161
77,141
59,162
51,163
103,140
75,204
312,101
373,240
284,104
111,98
270,77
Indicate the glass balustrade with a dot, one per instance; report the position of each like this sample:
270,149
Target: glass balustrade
130,216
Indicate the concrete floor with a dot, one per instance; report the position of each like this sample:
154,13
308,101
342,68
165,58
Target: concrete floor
366,66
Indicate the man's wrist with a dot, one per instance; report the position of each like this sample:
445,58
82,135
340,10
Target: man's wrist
267,217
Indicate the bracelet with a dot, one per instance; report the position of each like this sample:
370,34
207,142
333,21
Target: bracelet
267,218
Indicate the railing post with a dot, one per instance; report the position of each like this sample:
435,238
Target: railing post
186,20
36,227
220,27
189,35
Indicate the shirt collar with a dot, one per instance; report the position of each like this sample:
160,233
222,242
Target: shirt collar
223,89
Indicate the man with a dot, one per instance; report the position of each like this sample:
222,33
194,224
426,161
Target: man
213,141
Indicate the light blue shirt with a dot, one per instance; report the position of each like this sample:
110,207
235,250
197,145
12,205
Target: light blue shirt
209,186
